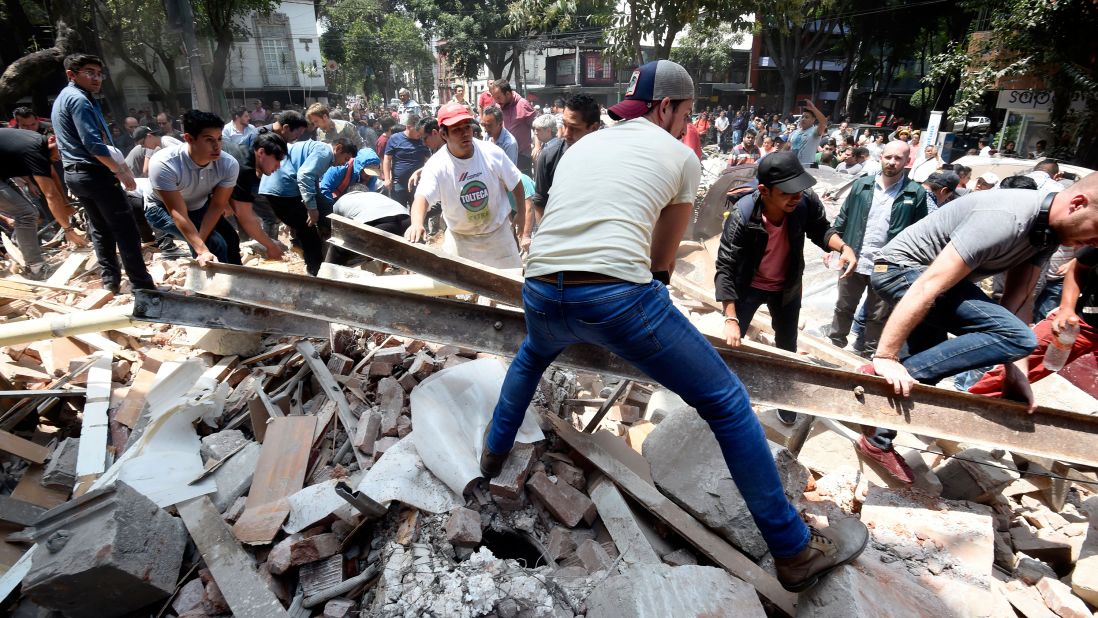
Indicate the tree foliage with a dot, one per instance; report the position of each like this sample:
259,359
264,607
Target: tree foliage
663,20
135,33
373,49
471,33
222,21
1053,39
706,50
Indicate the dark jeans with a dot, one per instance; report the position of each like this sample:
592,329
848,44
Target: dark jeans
400,193
639,323
223,241
783,318
986,333
112,227
16,206
850,293
292,212
396,224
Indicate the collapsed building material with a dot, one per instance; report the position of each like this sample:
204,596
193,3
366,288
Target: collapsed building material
244,590
683,444
66,324
819,391
22,448
279,472
166,307
704,540
620,523
108,560
658,591
91,458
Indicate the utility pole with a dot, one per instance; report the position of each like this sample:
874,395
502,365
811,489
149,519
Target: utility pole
181,18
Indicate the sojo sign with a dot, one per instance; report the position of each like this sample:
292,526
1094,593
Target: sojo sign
1033,99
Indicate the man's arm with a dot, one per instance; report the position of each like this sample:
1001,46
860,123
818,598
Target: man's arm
387,170
248,220
416,231
219,205
307,178
60,210
1018,291
821,120
518,192
943,273
667,234
177,208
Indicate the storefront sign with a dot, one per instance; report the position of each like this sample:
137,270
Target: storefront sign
1039,100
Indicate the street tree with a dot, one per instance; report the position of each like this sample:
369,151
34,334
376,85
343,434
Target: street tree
662,21
222,21
471,33
135,32
1050,40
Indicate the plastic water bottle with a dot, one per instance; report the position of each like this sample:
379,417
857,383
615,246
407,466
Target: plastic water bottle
1060,347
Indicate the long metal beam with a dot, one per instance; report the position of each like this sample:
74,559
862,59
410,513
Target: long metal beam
458,272
820,391
172,308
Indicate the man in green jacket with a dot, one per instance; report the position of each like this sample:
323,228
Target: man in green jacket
876,209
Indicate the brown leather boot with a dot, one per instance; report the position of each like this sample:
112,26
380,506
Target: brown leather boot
827,549
491,464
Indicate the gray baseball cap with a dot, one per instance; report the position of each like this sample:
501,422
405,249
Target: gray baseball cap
653,82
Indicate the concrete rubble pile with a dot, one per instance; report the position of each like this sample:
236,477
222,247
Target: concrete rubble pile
175,471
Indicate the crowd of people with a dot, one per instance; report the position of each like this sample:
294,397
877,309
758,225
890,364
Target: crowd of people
593,203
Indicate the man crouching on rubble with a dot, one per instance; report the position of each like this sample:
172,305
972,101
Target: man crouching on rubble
621,201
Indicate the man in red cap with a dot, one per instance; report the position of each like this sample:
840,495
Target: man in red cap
621,200
469,177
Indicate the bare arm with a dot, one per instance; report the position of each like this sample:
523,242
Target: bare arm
821,120
245,215
177,208
1018,292
519,194
219,206
387,170
944,272
667,234
60,210
416,231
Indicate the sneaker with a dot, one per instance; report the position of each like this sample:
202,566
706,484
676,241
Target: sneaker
827,549
888,460
491,464
787,417
170,250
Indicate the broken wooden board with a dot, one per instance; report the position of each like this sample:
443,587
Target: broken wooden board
30,489
91,459
280,471
705,540
23,448
333,391
231,567
618,519
130,410
69,268
18,512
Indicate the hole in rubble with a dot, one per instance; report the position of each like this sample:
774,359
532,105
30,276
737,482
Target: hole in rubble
511,546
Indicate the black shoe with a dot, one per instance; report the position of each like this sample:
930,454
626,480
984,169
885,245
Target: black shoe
491,464
787,417
170,250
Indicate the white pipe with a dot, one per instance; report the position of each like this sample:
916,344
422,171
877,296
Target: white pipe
66,324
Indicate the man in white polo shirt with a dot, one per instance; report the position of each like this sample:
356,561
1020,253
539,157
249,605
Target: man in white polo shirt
191,185
471,178
622,198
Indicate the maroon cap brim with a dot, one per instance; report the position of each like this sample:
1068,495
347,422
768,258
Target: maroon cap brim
629,109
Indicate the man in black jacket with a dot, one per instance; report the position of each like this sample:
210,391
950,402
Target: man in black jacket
761,257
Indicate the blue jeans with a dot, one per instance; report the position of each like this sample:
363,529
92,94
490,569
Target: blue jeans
1048,299
986,333
639,324
223,240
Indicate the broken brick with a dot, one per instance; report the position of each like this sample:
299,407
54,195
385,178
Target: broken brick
1058,598
297,549
593,556
463,527
561,545
512,478
624,413
565,502
339,608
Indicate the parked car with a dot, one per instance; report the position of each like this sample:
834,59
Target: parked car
974,124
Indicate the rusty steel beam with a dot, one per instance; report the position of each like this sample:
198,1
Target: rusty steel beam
459,272
173,308
772,381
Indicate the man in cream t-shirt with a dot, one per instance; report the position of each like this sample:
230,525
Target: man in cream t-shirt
471,178
622,198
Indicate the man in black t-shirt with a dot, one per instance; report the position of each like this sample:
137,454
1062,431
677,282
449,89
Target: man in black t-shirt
1080,301
27,153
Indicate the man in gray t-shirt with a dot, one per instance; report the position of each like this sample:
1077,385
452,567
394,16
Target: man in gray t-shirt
929,272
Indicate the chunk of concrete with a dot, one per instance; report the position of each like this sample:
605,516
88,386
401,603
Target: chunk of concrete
561,545
662,404
565,502
593,556
620,522
225,342
189,597
1059,599
61,468
976,474
109,561
463,527
1084,579
659,591
217,445
688,467
680,557
512,478
234,477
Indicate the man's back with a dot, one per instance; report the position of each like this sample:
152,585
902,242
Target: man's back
608,192
989,229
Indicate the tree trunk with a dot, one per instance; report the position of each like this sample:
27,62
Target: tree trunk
22,75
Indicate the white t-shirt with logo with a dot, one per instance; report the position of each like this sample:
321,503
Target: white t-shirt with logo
473,191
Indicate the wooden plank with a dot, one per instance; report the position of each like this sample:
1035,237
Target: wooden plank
702,538
68,268
30,489
22,448
131,407
618,519
333,391
274,352
231,567
280,471
91,459
94,299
